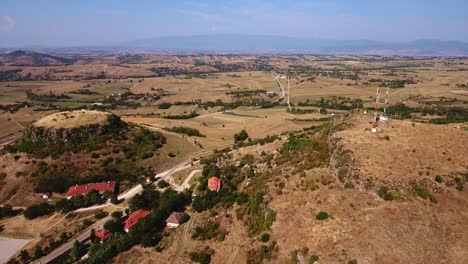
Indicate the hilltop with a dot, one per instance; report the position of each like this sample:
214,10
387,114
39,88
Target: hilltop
75,147
73,119
30,58
327,194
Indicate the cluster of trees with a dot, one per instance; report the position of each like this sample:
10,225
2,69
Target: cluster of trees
191,132
147,232
182,116
164,71
79,201
65,205
6,211
39,251
241,136
261,141
206,231
83,91
40,143
335,102
164,105
228,194
144,143
450,114
51,97
12,108
37,210
242,93
397,83
11,75
300,111
202,257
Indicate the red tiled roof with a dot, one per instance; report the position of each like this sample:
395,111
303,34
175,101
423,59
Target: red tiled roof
85,188
103,234
134,217
174,218
214,184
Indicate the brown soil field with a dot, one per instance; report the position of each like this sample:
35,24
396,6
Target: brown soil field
220,127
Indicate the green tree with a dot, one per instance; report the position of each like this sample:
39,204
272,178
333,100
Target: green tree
241,136
322,215
24,255
38,252
75,250
92,235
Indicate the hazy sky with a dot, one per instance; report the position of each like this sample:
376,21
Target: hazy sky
101,22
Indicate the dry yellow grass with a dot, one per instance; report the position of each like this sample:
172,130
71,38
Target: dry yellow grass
71,119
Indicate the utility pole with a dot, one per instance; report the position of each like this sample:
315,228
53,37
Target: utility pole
289,92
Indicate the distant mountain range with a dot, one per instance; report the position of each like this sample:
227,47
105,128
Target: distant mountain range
278,44
271,44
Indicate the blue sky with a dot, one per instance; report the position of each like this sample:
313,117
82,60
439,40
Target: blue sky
101,22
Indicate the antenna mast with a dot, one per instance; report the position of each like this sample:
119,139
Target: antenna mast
376,108
289,90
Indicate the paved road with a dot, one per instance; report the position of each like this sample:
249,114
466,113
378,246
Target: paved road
130,193
67,246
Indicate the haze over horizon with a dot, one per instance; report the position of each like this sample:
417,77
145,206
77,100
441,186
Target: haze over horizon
85,23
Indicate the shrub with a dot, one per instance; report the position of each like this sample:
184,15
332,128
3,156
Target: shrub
162,184
424,193
164,106
207,231
322,215
385,193
100,214
201,257
255,256
439,179
184,218
387,137
117,214
265,237
313,259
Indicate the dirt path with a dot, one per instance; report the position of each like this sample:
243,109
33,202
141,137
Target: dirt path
237,238
180,241
185,184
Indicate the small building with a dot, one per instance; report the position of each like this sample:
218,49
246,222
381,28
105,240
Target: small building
173,221
103,234
134,217
214,184
100,187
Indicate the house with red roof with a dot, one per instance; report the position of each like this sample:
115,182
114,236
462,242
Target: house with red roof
173,221
214,184
134,217
100,187
103,234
